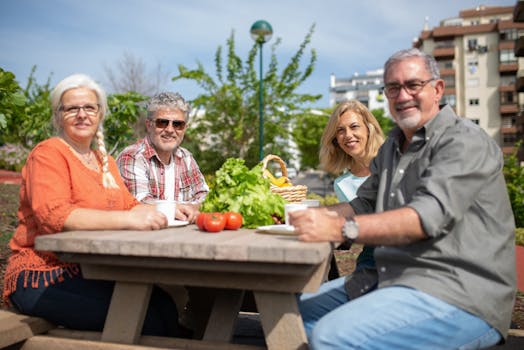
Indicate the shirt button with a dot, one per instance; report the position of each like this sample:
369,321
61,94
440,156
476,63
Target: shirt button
382,269
401,171
392,194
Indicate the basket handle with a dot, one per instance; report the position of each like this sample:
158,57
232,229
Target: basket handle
278,159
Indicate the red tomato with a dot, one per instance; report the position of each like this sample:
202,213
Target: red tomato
214,222
200,220
233,220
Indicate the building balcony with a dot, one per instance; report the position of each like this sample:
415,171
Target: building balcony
509,108
506,67
447,72
510,130
519,47
444,52
505,88
507,150
450,91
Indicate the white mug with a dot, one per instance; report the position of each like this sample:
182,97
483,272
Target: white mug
311,203
288,208
168,208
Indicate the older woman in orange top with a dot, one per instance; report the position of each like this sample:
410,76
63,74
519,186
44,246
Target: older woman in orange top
69,182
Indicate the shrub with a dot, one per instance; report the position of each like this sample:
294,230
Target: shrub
12,157
514,175
519,236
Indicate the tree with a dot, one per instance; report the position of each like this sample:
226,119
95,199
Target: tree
229,127
386,124
308,135
131,75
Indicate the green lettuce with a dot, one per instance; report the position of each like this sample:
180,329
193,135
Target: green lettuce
238,188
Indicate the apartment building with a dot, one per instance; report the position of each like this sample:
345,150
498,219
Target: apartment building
476,56
366,88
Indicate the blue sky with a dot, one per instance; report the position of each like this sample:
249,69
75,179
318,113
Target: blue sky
63,37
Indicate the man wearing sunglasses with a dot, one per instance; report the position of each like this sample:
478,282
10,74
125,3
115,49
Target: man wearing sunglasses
156,167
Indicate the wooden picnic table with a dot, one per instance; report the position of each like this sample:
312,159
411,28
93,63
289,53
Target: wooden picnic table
274,267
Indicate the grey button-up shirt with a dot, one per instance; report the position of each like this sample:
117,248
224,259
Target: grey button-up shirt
451,175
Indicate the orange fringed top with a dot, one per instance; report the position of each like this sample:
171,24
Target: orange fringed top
54,183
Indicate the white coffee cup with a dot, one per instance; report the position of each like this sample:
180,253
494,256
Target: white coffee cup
288,208
168,208
311,203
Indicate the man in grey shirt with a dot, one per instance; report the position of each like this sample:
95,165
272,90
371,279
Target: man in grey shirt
436,207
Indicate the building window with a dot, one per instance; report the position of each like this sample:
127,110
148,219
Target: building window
507,56
475,120
508,35
449,99
472,44
474,102
508,122
449,81
510,139
507,97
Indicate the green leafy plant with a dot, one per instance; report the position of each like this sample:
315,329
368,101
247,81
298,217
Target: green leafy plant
237,188
514,175
519,236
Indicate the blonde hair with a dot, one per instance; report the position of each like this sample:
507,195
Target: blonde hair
332,158
83,81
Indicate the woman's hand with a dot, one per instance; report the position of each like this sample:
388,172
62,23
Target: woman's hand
317,225
146,217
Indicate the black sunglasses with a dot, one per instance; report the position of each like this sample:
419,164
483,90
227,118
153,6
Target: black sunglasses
164,123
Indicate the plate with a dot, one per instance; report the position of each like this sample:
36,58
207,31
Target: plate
277,229
178,223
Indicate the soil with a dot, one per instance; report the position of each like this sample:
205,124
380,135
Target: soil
9,193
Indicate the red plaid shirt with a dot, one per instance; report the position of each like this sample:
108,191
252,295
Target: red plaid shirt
144,173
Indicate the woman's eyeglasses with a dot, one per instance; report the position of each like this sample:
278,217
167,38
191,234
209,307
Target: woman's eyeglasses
164,123
89,109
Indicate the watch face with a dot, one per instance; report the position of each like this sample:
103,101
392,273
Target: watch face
350,229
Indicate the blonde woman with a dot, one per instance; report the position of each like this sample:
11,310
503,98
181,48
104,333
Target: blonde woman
69,182
350,141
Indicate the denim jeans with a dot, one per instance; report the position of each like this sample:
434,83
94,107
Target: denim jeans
389,318
82,304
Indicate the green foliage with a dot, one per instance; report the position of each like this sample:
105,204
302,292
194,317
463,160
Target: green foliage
231,103
123,125
519,236
27,112
307,135
386,124
238,188
330,199
514,175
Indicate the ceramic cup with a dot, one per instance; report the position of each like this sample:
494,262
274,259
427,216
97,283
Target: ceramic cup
311,203
288,208
168,208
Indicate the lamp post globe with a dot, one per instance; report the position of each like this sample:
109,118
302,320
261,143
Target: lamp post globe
261,31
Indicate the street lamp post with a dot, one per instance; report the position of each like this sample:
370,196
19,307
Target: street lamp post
261,32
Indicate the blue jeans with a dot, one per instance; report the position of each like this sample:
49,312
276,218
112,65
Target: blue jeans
82,304
389,318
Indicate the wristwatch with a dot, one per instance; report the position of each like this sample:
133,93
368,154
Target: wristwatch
350,230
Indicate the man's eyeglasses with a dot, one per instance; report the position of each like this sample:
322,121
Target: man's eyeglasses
164,123
89,109
412,87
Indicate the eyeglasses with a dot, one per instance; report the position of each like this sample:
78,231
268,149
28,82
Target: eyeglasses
164,123
89,109
412,87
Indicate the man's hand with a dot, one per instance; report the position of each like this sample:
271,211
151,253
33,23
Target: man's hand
187,211
317,225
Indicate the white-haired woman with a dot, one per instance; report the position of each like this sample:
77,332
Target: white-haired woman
71,183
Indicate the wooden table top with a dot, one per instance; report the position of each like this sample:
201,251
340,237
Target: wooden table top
189,242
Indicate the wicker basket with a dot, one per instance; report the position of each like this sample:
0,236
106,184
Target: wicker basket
292,194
